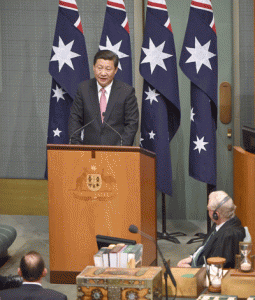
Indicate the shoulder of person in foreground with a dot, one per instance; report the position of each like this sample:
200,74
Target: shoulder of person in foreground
52,293
21,293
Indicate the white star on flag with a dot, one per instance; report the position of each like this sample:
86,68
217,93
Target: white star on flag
155,56
200,144
200,55
151,95
58,93
192,114
57,132
114,48
152,135
63,54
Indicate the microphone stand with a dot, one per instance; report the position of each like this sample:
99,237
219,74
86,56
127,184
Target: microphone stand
114,130
83,127
167,272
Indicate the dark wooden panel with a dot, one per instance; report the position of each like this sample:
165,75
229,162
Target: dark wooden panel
63,277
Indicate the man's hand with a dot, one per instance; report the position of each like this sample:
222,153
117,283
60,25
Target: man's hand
185,263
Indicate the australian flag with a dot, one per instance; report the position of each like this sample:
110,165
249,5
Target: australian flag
160,102
115,37
199,62
68,67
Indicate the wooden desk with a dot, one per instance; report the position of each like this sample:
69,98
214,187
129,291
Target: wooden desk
244,188
190,282
241,286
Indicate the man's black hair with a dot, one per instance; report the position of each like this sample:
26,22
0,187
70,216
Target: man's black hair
107,55
32,266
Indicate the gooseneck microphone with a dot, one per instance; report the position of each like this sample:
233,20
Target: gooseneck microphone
113,129
134,229
83,127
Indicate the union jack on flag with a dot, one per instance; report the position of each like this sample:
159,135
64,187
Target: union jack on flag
199,62
115,37
160,102
68,67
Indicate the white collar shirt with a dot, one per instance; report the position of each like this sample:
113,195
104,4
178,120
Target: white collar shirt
27,282
217,227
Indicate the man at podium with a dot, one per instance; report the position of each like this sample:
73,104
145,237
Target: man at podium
105,110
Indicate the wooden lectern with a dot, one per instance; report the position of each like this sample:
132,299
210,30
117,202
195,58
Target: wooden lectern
97,190
244,188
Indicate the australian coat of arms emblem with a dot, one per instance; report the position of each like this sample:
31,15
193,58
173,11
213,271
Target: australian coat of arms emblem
94,184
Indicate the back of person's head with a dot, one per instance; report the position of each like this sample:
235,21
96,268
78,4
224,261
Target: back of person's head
227,209
107,55
32,266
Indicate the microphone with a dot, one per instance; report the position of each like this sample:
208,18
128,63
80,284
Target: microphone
83,127
134,229
103,114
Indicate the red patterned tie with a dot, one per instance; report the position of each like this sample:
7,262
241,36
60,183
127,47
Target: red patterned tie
102,103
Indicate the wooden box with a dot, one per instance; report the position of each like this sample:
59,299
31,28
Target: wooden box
241,286
190,282
95,283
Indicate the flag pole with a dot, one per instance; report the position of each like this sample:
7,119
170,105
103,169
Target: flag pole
210,188
171,237
200,236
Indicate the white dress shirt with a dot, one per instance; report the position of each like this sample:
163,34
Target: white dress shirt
29,282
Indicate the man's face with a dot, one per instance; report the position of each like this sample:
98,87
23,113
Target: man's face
104,71
210,213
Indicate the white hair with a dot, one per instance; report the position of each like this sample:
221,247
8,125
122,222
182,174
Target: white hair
226,210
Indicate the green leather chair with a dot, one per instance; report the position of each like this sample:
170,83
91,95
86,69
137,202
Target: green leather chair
7,236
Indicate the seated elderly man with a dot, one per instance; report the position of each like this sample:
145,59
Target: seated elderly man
223,238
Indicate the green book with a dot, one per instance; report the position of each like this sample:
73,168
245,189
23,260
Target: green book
136,253
124,256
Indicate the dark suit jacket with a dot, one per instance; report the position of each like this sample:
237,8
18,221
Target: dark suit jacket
31,292
121,115
224,243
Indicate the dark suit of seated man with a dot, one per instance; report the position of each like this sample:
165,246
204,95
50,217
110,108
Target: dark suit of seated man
32,271
105,106
223,238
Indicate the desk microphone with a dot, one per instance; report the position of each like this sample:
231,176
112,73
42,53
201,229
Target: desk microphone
134,229
83,127
103,114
